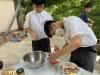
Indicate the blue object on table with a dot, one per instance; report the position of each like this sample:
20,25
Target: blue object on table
15,39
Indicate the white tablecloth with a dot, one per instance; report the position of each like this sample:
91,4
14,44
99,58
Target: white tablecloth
45,69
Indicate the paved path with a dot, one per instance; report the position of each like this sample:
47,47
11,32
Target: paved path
13,52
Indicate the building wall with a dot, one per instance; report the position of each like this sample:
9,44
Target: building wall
7,11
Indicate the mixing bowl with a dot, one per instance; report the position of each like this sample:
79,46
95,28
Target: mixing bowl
35,59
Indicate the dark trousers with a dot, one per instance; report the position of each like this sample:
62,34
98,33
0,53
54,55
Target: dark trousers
84,57
41,45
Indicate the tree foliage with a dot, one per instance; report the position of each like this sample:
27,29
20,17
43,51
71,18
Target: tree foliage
61,8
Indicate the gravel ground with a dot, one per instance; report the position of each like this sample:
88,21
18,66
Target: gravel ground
12,52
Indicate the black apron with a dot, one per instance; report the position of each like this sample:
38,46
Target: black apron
41,45
84,57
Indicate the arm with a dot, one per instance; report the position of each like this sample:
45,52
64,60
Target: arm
74,44
32,33
27,26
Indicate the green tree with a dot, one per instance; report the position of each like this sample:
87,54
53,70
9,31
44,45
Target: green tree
61,8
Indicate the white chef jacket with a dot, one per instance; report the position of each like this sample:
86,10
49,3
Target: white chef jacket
36,22
75,26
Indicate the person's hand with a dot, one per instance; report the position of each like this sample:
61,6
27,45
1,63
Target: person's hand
52,56
34,35
56,49
54,62
90,25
